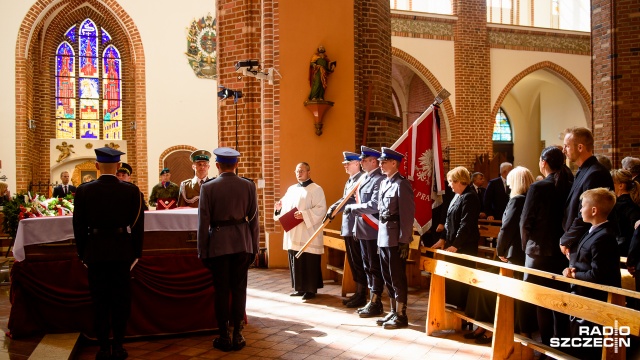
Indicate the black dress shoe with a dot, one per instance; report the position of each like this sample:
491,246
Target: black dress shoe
358,301
119,353
371,310
483,339
347,300
474,335
390,315
308,295
223,344
103,355
297,293
238,341
398,322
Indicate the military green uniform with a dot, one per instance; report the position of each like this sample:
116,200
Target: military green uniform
190,192
161,191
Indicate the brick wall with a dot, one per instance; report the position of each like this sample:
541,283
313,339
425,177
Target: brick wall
472,128
35,85
615,27
372,51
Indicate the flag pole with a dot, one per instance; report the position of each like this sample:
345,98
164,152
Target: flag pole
333,213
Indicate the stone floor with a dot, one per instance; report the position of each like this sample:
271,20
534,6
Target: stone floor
285,327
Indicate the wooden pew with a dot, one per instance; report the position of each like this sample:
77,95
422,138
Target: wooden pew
336,267
505,343
489,230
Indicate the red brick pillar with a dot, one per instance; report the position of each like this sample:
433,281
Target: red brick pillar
615,28
473,126
372,50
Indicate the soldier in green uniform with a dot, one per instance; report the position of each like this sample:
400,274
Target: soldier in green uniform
165,194
190,188
124,172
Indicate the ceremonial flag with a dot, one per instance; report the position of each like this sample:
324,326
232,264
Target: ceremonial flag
422,166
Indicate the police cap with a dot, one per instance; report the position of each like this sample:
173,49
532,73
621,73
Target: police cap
367,151
108,155
350,156
226,155
389,154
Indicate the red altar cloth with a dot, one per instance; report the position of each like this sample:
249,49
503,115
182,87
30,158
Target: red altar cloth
170,294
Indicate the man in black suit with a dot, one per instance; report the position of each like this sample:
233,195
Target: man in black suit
65,188
497,195
477,180
578,147
595,259
108,225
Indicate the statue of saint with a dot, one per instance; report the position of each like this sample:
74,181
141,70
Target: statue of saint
319,71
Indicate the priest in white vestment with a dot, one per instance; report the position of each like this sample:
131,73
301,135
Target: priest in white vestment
308,198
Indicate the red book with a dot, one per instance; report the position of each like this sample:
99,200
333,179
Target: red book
288,221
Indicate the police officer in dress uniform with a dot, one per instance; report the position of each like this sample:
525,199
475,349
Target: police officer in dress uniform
228,235
366,228
190,188
164,195
397,209
124,172
108,225
354,253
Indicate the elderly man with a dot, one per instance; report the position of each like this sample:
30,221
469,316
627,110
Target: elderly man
190,188
307,202
228,236
164,195
396,206
351,165
632,164
65,188
108,225
497,195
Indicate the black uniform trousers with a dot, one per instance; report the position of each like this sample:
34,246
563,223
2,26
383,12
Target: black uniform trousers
354,258
550,323
371,263
110,287
230,284
393,273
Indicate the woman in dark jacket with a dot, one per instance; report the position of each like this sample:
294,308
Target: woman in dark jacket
461,232
481,304
541,229
626,211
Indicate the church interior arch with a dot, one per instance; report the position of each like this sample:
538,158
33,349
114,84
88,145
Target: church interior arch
540,106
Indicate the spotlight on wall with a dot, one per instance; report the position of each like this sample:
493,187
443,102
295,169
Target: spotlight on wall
31,124
134,125
225,94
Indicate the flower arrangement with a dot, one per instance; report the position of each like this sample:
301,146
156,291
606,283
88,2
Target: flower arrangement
24,206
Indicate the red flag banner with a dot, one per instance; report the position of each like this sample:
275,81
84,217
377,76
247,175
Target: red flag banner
422,166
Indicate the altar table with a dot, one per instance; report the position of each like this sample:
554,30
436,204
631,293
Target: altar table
172,291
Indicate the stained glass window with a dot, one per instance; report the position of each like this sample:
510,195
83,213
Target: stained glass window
502,127
88,84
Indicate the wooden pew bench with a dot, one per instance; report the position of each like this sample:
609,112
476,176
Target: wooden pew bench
336,267
505,343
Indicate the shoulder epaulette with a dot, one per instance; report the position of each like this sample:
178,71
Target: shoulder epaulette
250,180
213,178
